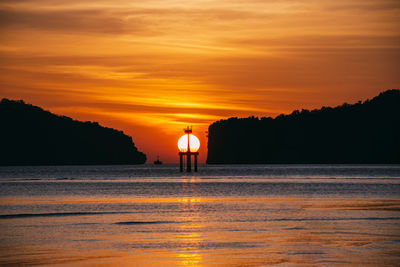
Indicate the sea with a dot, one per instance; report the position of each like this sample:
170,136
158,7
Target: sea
222,215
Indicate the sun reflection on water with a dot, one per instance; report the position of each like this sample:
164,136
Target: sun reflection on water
187,230
189,259
189,200
191,232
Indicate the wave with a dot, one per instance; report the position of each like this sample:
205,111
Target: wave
141,222
334,219
58,214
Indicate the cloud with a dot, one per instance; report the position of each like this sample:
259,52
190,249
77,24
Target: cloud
365,6
71,21
322,41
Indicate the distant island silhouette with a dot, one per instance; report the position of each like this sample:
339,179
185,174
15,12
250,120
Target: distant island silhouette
30,135
365,132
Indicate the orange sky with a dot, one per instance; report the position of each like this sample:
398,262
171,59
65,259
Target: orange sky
152,67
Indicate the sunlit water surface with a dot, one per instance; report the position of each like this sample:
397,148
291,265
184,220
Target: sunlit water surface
250,215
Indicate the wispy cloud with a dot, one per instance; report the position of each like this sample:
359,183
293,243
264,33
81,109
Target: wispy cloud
72,21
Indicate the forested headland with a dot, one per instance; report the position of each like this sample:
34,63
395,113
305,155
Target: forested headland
32,136
364,132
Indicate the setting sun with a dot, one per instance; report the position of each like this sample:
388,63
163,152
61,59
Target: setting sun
194,143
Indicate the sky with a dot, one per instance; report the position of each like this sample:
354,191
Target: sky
151,67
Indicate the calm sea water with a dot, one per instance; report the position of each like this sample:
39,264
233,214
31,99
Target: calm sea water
241,215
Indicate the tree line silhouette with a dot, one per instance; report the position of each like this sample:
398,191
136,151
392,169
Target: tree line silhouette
364,132
32,136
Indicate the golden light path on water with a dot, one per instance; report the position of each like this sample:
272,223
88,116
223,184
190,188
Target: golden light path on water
201,231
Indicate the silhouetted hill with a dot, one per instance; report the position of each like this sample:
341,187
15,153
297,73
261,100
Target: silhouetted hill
32,136
367,132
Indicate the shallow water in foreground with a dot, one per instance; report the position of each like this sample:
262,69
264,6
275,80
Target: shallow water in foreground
249,215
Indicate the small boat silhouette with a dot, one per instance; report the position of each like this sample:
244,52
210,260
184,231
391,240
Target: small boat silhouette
158,162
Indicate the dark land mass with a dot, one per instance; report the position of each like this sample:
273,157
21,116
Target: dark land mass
30,135
365,132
